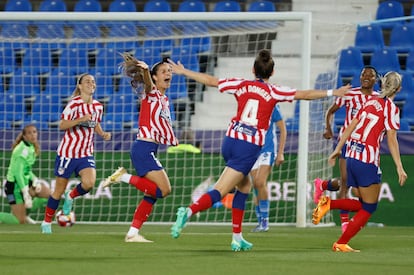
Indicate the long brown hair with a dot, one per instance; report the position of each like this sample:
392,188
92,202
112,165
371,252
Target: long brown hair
77,92
20,138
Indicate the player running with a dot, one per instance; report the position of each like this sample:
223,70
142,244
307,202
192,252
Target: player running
244,138
379,117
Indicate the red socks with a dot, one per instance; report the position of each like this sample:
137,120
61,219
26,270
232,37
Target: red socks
203,203
355,225
237,219
142,213
146,186
346,204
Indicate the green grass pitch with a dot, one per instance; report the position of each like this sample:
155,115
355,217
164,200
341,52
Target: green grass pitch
100,249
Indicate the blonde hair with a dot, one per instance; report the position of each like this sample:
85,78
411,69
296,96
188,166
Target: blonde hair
20,138
390,84
77,92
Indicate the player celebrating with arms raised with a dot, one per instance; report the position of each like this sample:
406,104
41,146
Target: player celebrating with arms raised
244,138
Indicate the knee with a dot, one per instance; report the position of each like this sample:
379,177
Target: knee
369,207
165,191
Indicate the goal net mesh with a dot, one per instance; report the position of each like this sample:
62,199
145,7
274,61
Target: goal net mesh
41,59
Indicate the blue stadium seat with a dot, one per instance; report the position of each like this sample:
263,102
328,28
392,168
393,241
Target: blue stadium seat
88,6
25,84
407,112
53,6
21,5
198,44
87,33
409,65
385,60
261,6
159,37
350,61
122,108
47,108
15,108
325,81
402,38
404,125
339,118
7,60
37,61
108,61
227,6
388,10
74,60
122,6
60,82
12,31
407,87
192,6
55,33
123,30
369,38
149,55
157,6
104,86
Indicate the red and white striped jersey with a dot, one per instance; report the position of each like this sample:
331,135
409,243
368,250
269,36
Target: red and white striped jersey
255,103
353,102
77,142
155,119
377,116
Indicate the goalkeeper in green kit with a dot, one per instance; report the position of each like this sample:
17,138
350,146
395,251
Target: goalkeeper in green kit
22,184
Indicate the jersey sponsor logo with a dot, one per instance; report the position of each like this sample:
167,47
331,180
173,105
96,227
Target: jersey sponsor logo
244,129
357,147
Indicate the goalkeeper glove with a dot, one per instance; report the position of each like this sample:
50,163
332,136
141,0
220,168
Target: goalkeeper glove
27,198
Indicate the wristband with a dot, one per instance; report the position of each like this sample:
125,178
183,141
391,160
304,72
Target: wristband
329,93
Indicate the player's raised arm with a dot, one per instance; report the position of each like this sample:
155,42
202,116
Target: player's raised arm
316,94
203,78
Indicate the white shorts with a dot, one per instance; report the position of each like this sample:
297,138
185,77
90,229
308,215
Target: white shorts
265,158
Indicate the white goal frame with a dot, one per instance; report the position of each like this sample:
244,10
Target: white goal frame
305,55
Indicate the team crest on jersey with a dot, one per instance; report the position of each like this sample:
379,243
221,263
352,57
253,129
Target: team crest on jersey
61,170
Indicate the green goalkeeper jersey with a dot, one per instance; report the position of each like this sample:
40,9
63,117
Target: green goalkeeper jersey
20,169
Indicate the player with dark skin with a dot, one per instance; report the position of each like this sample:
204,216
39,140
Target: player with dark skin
353,102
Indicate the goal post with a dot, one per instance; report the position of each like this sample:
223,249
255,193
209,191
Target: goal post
235,39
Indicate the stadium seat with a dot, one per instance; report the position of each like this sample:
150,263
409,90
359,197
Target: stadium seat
104,86
74,60
407,87
15,108
149,55
159,37
25,84
388,10
7,60
53,6
88,6
47,30
350,61
12,31
198,44
407,112
37,61
87,33
157,6
122,6
409,64
107,61
404,125
369,38
21,5
126,31
325,81
261,6
60,82
46,108
122,108
192,6
227,6
402,38
339,118
385,60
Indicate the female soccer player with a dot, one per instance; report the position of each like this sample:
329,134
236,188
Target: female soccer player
244,138
154,128
379,116
80,120
272,153
22,184
353,102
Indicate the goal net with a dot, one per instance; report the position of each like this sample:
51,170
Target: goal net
42,53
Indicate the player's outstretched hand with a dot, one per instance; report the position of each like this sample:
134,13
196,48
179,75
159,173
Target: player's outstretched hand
342,90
